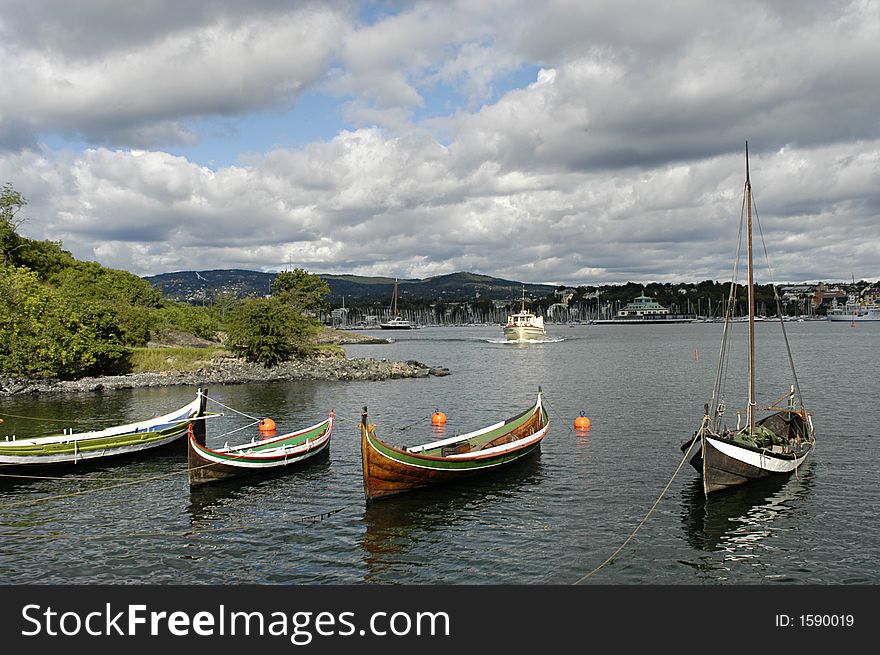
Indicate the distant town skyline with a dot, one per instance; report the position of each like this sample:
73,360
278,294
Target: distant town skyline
553,143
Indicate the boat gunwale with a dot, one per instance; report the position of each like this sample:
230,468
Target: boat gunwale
479,462
281,451
475,456
468,435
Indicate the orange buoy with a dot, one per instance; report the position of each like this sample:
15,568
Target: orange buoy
582,422
267,426
438,418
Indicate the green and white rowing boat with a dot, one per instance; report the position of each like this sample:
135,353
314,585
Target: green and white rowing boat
71,447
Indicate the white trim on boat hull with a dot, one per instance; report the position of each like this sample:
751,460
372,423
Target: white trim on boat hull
764,461
251,461
726,465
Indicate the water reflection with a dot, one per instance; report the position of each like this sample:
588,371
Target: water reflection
219,500
736,522
66,478
276,400
582,445
398,525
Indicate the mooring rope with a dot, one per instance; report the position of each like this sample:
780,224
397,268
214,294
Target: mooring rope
231,409
243,427
125,483
22,476
653,507
128,483
552,413
416,422
182,533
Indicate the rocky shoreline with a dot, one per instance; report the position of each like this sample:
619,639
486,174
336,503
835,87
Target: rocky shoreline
234,371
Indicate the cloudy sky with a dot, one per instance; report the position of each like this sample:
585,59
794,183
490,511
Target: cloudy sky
565,142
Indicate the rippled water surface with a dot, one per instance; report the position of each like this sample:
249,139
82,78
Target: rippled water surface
552,519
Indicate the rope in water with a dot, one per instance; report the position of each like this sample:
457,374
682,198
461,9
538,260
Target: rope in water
182,533
118,485
653,507
125,483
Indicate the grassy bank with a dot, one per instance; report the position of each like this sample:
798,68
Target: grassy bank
188,359
156,360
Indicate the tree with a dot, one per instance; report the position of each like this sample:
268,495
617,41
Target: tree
45,334
129,297
46,258
303,291
90,279
268,330
11,203
203,322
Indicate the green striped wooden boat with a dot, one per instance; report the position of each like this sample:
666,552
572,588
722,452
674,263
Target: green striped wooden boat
261,455
388,470
72,447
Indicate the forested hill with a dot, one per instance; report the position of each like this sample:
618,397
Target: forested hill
199,287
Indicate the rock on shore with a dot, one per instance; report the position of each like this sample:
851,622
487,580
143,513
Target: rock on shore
234,371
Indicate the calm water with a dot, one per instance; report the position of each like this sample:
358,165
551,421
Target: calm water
550,520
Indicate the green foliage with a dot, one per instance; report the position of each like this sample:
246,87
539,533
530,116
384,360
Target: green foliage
44,334
65,318
127,296
268,330
11,203
203,322
46,258
303,291
91,280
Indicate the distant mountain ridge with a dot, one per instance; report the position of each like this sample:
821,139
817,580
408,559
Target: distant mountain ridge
201,287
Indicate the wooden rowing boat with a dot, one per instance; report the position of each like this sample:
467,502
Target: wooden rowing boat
73,448
389,470
260,455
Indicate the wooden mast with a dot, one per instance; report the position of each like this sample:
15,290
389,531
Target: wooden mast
748,190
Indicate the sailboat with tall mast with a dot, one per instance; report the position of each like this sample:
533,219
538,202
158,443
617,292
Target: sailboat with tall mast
774,439
397,322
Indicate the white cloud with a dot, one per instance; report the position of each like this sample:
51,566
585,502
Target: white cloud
142,94
391,206
622,160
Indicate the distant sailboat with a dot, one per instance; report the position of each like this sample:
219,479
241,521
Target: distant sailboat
777,443
397,322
